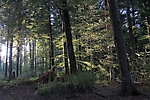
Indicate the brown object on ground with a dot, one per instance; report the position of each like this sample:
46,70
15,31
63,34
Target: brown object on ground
46,77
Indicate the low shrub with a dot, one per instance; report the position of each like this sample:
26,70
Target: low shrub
81,82
53,88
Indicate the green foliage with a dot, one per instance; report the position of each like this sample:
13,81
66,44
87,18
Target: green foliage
3,82
102,74
18,81
53,88
82,82
141,69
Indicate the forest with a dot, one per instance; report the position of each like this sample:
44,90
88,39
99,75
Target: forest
74,49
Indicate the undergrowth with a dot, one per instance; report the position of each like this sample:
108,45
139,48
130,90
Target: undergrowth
17,81
81,82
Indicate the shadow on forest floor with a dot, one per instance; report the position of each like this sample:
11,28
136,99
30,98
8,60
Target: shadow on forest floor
100,92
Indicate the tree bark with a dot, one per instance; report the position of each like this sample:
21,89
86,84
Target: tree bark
25,60
20,64
0,56
35,58
6,62
10,58
65,49
127,81
111,68
132,38
51,45
71,54
17,65
32,47
109,30
66,59
30,50
42,63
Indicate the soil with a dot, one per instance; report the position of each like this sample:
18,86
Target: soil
28,92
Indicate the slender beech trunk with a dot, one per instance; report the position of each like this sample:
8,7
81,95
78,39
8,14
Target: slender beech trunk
111,69
32,58
6,65
0,56
10,59
31,47
127,81
71,54
30,50
51,45
25,54
20,67
17,65
42,63
80,58
132,39
35,58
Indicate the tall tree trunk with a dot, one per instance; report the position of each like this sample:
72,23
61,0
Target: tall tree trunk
20,67
132,38
0,56
111,68
25,63
71,54
80,58
30,50
35,58
10,58
6,62
1,66
31,47
32,57
51,43
42,67
46,62
127,80
66,59
109,30
65,49
17,65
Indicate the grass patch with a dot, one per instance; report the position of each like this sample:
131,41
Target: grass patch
17,81
3,82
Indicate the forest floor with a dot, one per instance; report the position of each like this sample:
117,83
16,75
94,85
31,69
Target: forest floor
108,92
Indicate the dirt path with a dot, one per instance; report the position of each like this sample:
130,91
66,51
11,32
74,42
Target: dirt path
24,92
28,92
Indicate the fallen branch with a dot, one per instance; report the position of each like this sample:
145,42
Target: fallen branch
100,95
